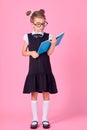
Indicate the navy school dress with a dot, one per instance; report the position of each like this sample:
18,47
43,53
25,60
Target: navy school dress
40,77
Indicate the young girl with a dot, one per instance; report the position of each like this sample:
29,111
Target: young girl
40,78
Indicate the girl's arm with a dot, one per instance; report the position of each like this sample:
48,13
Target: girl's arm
26,52
52,47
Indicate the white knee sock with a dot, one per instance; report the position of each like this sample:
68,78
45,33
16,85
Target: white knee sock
45,110
34,110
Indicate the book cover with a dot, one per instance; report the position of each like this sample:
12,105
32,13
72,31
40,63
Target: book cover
45,45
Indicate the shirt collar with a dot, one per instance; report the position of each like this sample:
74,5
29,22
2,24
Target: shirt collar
42,33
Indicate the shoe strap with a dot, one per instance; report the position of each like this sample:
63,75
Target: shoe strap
45,122
34,122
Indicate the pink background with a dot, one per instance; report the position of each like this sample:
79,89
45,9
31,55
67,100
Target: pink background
69,63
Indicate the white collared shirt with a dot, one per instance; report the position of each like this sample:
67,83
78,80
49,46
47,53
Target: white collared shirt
25,38
42,33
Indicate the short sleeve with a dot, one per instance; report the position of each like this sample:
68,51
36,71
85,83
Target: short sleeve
50,37
25,38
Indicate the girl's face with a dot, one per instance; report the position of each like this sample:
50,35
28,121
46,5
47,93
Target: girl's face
39,24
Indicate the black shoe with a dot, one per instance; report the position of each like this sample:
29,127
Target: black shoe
34,126
46,124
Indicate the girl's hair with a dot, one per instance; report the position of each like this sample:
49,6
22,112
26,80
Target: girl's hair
38,14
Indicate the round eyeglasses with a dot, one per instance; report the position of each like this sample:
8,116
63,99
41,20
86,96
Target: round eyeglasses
38,24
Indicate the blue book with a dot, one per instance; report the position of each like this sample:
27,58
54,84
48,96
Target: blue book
45,45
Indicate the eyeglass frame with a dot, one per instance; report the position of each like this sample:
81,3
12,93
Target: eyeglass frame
43,24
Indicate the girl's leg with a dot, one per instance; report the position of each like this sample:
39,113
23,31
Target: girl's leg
45,106
34,95
34,105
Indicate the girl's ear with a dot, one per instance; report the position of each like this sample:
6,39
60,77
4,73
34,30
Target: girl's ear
32,24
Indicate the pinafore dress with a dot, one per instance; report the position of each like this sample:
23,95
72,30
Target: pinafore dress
40,77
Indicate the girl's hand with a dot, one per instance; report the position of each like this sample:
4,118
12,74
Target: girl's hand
51,49
34,54
53,41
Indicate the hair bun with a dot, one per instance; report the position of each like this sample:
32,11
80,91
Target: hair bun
28,13
42,11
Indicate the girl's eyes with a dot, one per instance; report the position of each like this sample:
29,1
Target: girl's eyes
38,24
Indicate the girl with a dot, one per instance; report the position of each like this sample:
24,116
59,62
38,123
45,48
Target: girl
40,78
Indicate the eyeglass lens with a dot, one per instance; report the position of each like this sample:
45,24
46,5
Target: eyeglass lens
39,24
